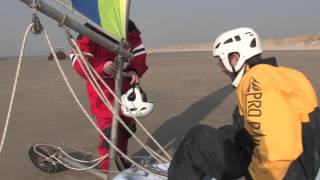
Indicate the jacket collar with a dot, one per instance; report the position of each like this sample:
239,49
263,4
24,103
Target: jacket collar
258,60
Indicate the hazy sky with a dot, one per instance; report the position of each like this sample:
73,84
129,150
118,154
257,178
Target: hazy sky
167,22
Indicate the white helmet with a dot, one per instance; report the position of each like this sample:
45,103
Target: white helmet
135,103
244,41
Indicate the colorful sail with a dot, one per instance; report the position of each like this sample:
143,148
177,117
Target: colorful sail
110,15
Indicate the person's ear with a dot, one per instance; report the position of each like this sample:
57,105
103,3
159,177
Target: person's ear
234,58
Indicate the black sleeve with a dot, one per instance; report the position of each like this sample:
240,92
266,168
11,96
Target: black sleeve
238,120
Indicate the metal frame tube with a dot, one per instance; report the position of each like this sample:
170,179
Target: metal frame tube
95,172
123,53
64,19
118,92
115,122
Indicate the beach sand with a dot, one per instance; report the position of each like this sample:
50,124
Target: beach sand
188,89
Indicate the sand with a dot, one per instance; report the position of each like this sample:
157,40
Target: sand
188,89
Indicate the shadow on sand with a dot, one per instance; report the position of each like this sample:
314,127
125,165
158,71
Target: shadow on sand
170,133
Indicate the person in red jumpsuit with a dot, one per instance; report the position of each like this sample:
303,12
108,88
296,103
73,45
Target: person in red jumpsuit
103,61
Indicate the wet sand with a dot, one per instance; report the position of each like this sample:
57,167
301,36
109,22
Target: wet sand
188,89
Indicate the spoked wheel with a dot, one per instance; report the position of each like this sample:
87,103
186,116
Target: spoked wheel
40,156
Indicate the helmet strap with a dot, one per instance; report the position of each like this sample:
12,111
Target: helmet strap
239,74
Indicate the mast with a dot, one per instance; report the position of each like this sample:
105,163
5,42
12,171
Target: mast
118,92
120,49
64,19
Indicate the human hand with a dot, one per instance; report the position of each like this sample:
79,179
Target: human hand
110,68
133,75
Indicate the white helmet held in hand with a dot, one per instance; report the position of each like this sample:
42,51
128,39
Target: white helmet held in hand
244,41
135,103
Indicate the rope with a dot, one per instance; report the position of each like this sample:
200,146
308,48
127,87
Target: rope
91,69
102,96
56,158
136,120
82,161
53,156
78,149
11,105
14,86
35,4
77,100
84,110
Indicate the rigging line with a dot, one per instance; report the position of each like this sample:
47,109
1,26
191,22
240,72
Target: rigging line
13,95
109,106
136,119
75,168
85,111
107,103
102,81
12,100
35,4
103,97
78,149
15,86
93,154
83,161
118,100
74,45
53,156
14,90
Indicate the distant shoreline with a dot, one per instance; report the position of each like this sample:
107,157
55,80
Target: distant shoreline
17,57
297,43
164,52
189,48
200,51
7,57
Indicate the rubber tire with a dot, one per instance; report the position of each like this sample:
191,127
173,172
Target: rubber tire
48,166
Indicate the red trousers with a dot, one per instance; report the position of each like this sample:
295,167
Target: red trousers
105,125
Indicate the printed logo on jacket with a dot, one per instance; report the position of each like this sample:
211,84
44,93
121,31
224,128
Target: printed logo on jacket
253,112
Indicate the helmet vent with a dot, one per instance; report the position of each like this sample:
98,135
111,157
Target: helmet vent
132,96
253,43
217,46
228,41
135,103
237,38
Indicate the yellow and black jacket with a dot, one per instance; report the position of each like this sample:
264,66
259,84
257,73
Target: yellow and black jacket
280,112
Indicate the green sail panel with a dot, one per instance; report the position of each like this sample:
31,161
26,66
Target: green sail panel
109,16
113,17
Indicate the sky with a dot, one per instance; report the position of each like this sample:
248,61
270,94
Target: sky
171,22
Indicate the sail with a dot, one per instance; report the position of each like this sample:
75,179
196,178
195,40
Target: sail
110,16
